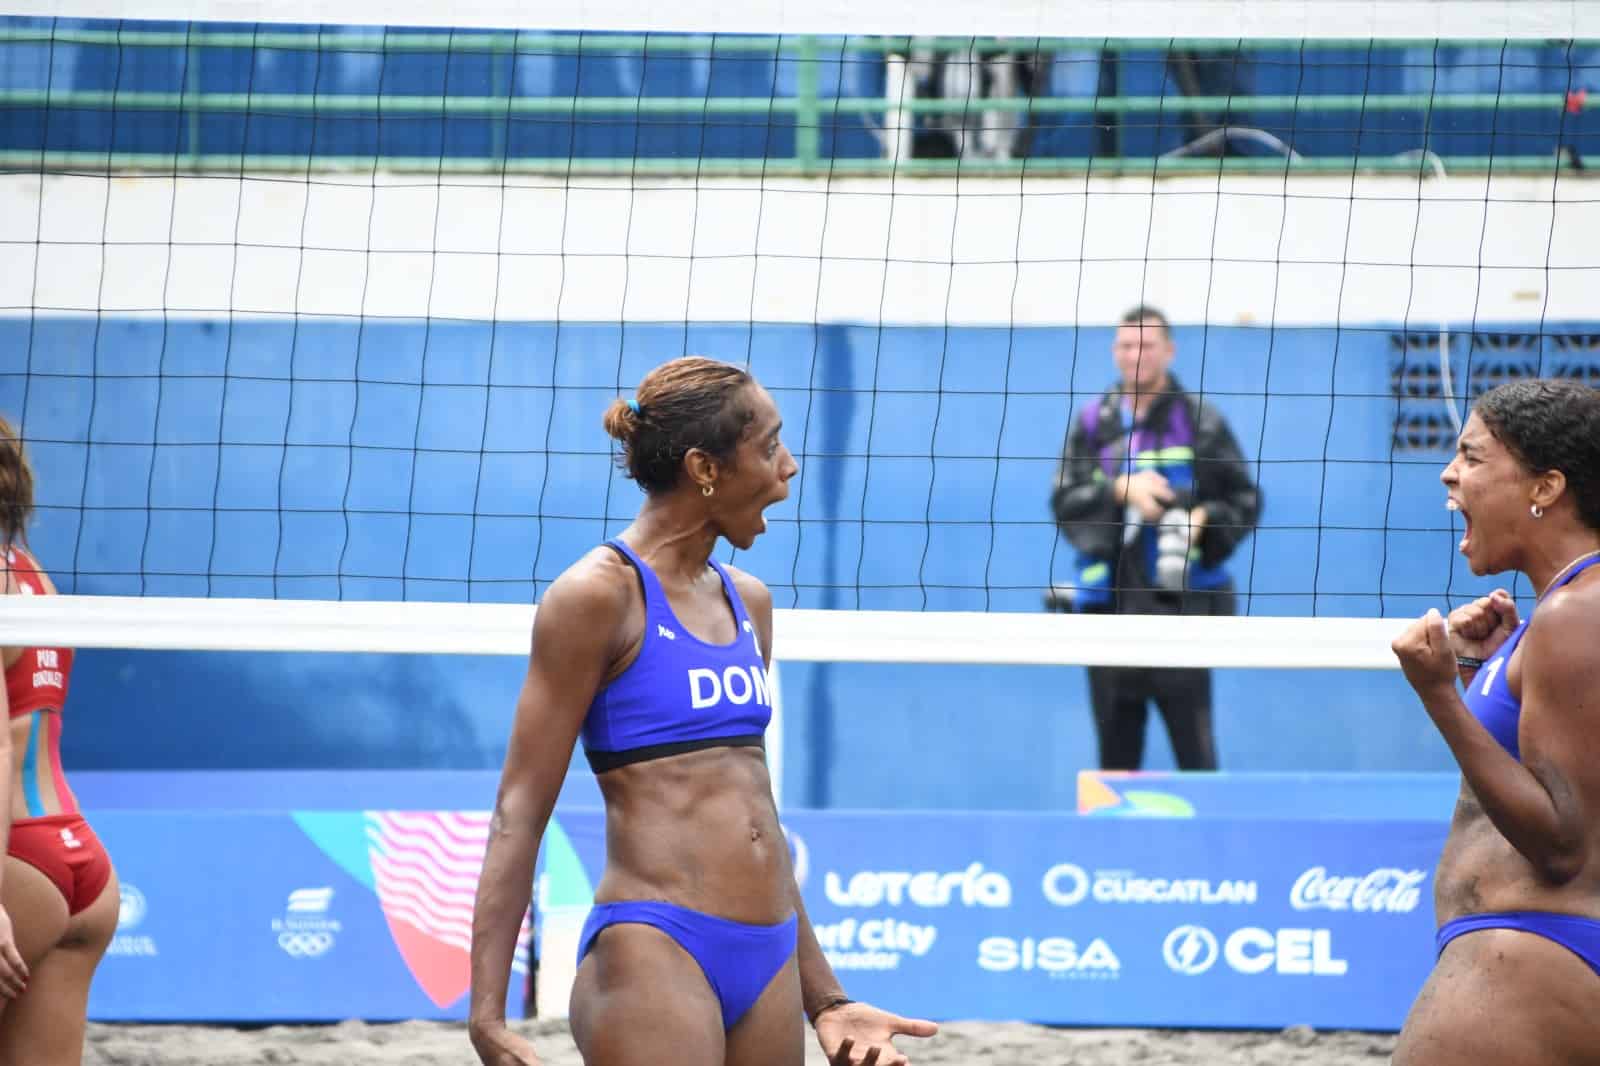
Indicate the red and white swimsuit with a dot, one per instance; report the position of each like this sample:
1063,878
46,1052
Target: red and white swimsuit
53,838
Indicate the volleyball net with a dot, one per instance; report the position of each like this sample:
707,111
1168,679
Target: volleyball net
308,324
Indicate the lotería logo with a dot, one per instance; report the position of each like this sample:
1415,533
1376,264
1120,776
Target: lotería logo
305,931
972,887
1190,950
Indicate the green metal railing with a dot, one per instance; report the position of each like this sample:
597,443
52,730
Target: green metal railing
807,110
379,40
624,106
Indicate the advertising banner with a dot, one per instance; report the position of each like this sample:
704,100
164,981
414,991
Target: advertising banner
1088,921
1054,918
306,915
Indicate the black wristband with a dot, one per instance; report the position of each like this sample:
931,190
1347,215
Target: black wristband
1468,662
836,1001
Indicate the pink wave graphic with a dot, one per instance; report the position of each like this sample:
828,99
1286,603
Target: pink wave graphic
426,866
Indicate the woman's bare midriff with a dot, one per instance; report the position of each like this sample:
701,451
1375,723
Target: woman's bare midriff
1480,872
698,830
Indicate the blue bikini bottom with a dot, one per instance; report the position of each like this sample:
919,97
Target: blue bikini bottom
739,960
1581,936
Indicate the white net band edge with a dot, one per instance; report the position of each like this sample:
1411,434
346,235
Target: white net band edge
801,635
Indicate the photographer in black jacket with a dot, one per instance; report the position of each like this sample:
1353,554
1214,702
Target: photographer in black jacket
1154,495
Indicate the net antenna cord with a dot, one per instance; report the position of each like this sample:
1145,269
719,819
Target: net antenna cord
1446,377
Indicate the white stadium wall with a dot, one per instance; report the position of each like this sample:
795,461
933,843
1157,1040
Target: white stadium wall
1253,250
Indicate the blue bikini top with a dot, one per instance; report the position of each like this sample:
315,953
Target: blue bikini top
1489,697
680,694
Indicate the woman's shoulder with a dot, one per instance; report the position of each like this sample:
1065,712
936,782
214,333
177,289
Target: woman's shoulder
1574,607
1565,629
752,590
23,574
599,586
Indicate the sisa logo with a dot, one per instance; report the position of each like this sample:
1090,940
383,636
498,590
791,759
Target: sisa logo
972,887
1057,956
1387,889
1192,949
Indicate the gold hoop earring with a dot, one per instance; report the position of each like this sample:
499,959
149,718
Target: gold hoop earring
1536,510
707,489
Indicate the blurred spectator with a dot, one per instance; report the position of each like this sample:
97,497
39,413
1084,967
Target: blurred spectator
1155,495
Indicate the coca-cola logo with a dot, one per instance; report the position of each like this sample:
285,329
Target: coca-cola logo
1387,890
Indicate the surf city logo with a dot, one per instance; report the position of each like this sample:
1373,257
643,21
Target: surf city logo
305,931
873,944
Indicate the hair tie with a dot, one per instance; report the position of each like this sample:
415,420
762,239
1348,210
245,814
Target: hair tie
633,405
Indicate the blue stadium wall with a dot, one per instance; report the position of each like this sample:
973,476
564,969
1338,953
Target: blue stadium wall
927,462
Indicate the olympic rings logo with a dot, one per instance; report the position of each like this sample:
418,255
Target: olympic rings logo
299,945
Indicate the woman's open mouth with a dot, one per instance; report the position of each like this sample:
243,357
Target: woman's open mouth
1452,504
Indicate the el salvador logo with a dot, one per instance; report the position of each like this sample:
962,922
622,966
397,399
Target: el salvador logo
309,900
